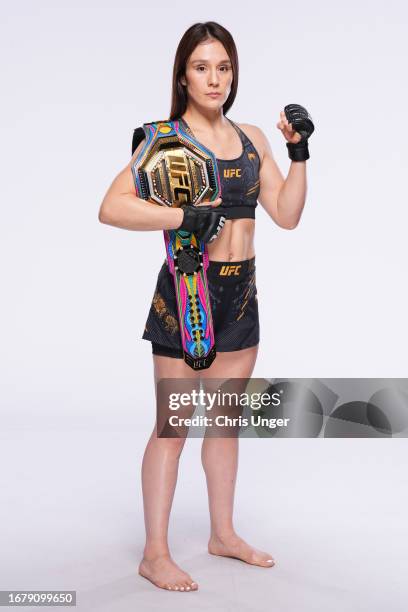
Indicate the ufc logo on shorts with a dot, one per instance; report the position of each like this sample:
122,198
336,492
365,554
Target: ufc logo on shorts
232,172
228,270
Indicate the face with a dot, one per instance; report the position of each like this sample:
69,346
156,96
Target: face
208,75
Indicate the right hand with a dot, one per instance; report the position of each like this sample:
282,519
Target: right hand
205,220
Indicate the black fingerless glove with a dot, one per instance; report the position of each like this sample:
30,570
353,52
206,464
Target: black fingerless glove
301,122
205,222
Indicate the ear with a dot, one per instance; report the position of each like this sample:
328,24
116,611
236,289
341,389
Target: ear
183,81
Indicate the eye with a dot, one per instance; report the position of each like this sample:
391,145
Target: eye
224,68
200,67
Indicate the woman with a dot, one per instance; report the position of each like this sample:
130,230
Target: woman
205,81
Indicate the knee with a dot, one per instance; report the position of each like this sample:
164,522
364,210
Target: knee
173,447
169,441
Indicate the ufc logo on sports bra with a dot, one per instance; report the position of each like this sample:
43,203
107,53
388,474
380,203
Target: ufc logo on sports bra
228,270
232,172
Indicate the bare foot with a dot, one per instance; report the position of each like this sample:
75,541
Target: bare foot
235,547
166,574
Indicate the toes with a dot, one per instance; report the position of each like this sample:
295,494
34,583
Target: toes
267,562
183,585
180,586
258,559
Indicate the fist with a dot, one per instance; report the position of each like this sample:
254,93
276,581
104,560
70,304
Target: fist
295,123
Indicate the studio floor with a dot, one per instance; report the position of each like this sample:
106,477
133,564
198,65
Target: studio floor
331,512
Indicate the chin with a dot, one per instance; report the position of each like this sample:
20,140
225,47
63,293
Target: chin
216,103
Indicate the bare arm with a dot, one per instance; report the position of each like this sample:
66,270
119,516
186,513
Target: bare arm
283,199
122,208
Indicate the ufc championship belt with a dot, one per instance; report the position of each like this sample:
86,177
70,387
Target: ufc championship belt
173,169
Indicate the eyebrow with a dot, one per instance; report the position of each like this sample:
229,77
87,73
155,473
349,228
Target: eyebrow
227,61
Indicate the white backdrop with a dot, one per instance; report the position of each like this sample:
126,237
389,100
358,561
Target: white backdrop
77,78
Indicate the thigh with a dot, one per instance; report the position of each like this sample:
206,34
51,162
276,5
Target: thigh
172,378
175,377
229,374
232,364
172,367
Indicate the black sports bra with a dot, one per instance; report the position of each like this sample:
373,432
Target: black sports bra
239,178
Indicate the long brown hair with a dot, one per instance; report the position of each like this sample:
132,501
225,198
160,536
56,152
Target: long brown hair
196,34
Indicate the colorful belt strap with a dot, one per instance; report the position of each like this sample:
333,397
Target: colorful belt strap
173,169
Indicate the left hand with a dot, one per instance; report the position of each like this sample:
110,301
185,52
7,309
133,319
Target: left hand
286,128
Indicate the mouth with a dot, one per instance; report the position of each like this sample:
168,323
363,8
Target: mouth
213,95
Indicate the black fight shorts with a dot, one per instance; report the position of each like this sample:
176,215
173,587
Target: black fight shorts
234,304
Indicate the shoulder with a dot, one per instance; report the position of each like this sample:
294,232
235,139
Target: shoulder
257,136
136,152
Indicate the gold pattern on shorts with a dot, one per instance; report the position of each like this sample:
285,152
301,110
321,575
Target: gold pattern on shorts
169,321
159,304
246,298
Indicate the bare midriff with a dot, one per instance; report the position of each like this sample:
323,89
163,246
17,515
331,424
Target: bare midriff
235,242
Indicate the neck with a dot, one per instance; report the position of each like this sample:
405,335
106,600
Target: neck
203,119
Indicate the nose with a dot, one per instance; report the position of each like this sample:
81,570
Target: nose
213,78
